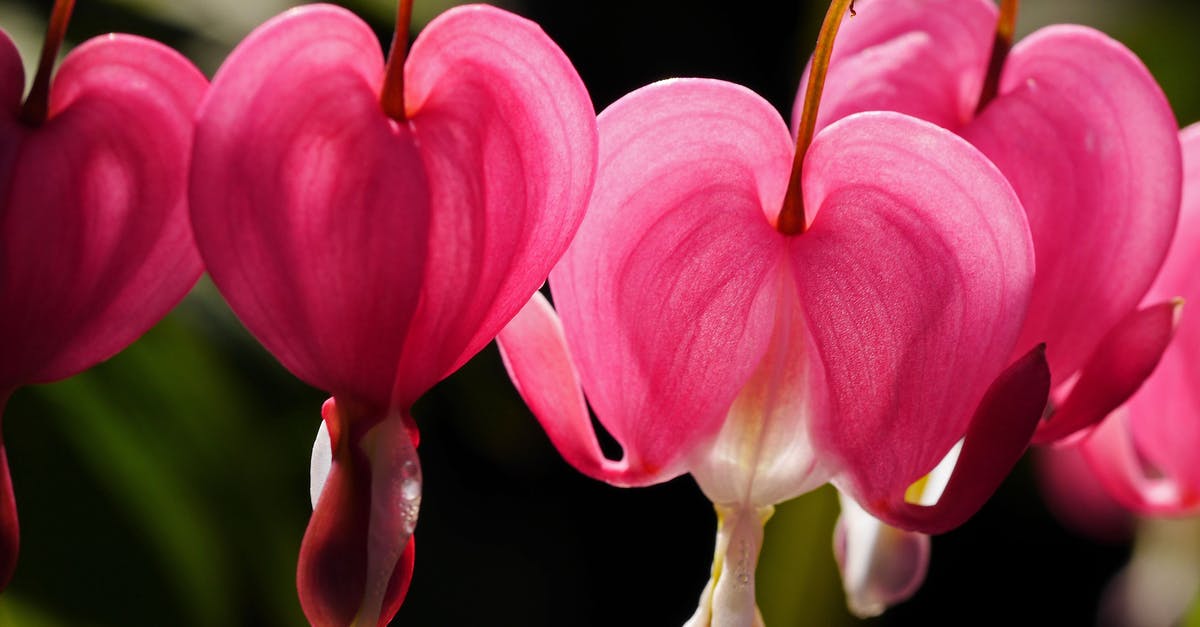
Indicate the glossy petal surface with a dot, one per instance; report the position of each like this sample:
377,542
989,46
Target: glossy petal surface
101,184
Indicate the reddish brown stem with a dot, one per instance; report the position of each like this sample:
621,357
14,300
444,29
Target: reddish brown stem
37,104
791,217
1006,26
392,97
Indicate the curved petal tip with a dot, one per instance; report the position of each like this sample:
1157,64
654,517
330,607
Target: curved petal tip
998,435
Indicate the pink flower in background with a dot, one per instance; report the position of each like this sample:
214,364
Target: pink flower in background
1146,453
95,245
374,233
1084,134
1087,139
766,363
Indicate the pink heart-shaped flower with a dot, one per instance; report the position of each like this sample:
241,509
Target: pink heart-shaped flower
373,256
95,243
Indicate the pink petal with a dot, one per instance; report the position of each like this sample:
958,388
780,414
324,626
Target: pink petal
925,58
508,137
357,556
1088,141
1119,365
1131,478
1161,432
311,207
95,245
352,219
880,565
538,360
997,437
914,276
1076,496
667,295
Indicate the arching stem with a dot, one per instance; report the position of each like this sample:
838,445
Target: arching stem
1005,28
37,104
392,97
791,217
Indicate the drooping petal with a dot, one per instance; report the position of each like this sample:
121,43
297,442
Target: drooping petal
915,275
95,244
667,295
880,564
357,556
926,58
997,437
1118,366
311,207
1087,139
508,138
538,360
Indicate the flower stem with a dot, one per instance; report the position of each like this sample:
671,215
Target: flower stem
1001,45
37,104
392,97
791,217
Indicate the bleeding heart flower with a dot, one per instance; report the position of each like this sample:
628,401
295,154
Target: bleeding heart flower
720,330
95,244
1085,135
374,227
1145,454
1087,139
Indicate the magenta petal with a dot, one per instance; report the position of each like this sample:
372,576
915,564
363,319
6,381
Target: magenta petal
508,137
999,434
538,361
1148,455
914,276
356,559
95,244
1076,496
1088,140
1130,477
1119,365
307,199
925,58
668,294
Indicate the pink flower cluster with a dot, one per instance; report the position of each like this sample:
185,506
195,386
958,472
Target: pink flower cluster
958,251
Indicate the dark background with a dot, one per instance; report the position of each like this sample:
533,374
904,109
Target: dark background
169,486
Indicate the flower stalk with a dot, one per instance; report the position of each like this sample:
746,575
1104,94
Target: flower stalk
791,217
392,96
1005,29
37,104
